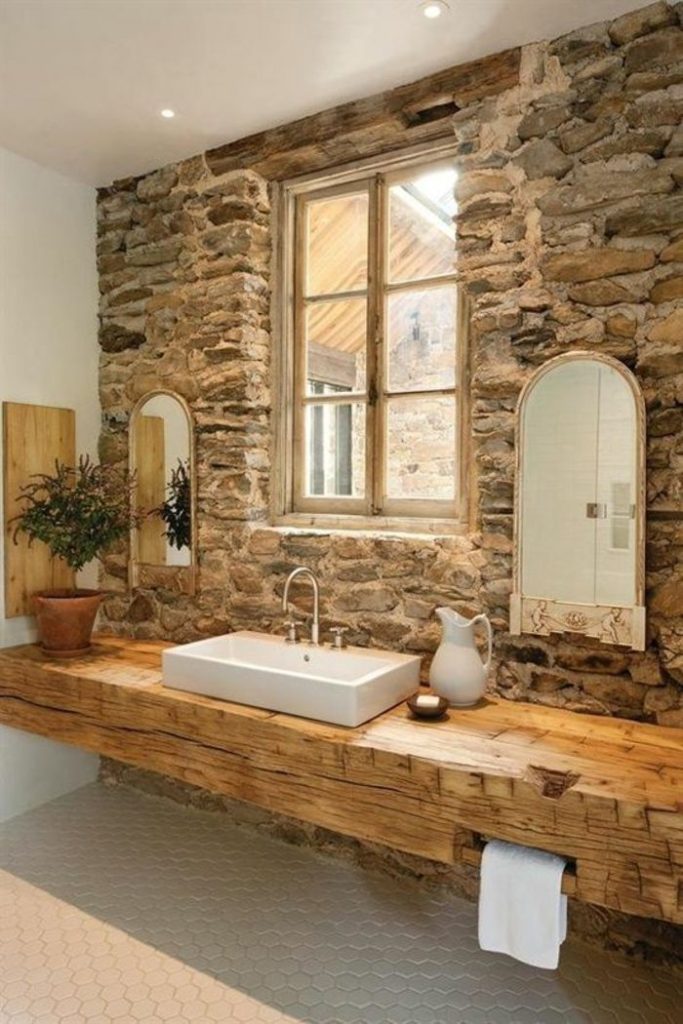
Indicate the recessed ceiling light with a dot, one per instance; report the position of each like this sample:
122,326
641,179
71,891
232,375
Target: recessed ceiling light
433,8
167,112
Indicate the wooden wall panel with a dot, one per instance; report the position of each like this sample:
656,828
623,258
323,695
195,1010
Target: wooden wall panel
150,468
35,436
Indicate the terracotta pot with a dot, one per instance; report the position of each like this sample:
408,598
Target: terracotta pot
66,619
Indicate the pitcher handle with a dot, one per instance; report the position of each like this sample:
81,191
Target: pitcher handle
489,632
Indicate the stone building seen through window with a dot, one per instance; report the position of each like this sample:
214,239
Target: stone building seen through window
376,382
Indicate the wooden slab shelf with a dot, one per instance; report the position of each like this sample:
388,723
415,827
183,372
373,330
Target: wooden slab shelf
605,793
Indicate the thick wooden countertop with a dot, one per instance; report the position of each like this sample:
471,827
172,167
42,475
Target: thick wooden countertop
606,793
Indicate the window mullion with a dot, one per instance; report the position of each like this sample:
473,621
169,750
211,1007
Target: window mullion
422,393
376,348
373,355
421,283
299,373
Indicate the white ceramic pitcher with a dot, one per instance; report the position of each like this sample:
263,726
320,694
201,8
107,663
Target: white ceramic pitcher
457,671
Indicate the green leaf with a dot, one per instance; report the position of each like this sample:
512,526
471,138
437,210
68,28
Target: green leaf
78,512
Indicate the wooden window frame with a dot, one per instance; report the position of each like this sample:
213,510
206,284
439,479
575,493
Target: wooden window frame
290,505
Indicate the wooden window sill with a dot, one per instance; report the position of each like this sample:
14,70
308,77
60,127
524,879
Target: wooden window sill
375,525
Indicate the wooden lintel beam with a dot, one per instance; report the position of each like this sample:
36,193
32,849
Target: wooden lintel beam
382,123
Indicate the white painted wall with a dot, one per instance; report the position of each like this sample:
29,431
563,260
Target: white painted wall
48,356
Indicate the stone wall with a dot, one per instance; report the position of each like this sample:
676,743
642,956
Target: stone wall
570,233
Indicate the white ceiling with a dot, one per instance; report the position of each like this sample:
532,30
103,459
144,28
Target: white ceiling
82,81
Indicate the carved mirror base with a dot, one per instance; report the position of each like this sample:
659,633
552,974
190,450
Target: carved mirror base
609,624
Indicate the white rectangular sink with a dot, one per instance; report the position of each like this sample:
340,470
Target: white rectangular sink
345,687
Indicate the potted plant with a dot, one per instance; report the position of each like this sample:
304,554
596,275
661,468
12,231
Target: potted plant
78,512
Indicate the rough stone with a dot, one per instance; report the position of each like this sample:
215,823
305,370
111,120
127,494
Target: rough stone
603,188
600,293
581,45
651,141
621,325
667,600
673,718
638,23
659,108
153,254
664,47
673,253
128,296
592,264
665,423
650,81
615,690
667,290
141,608
675,146
542,159
484,207
476,182
540,122
264,542
661,360
605,67
158,184
575,138
670,330
661,213
368,599
116,338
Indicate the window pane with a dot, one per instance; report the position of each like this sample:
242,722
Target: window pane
420,457
337,244
335,450
421,339
335,344
421,230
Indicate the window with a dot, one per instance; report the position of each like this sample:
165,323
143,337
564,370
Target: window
374,400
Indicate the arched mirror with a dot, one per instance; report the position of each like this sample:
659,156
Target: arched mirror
163,544
580,502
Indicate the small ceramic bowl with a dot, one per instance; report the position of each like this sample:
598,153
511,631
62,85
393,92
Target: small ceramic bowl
427,705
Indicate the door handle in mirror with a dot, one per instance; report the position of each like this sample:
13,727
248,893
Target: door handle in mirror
596,510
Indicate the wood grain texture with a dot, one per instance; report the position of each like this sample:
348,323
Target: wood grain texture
411,114
35,436
605,793
150,482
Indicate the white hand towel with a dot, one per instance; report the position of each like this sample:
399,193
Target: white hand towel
522,911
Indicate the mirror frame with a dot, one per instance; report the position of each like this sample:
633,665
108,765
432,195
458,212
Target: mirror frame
542,616
182,578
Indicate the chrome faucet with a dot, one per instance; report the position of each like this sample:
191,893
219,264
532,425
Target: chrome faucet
302,570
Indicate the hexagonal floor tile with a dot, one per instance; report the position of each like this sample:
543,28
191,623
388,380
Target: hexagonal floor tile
123,908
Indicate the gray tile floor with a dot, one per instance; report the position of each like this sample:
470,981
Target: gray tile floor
117,907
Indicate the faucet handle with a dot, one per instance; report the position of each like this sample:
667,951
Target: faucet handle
339,641
291,625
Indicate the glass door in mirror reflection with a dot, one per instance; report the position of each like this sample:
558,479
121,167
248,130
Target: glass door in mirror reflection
162,464
580,476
